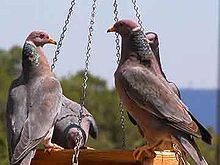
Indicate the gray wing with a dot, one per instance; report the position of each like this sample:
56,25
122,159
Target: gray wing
72,110
75,108
16,113
144,88
68,118
44,104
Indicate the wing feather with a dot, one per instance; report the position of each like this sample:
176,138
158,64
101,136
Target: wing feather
16,113
144,88
44,104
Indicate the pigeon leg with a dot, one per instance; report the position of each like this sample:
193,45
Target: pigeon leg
49,146
146,151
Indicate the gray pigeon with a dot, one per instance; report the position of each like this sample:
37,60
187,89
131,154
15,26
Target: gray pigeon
67,128
154,44
153,41
34,102
159,113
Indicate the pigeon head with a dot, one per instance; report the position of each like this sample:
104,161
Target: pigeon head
72,136
40,38
152,39
124,27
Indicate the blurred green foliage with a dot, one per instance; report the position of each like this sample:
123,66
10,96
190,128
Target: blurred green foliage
101,101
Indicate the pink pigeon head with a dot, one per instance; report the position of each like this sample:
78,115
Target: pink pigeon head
152,39
40,38
124,27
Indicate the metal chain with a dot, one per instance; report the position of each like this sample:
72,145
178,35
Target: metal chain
137,13
118,55
122,118
178,154
62,35
75,156
117,40
85,79
88,54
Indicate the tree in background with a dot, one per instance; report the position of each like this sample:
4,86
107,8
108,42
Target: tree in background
101,101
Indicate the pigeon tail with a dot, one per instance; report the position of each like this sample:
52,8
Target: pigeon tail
206,136
27,159
93,129
191,148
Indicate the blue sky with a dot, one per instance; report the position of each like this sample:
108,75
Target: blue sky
188,33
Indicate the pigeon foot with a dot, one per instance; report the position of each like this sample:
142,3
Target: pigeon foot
53,147
143,152
87,148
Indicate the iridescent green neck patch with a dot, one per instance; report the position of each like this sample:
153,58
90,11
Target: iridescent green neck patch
29,51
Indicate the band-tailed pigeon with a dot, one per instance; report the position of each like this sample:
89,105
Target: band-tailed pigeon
67,128
34,102
153,41
154,44
160,115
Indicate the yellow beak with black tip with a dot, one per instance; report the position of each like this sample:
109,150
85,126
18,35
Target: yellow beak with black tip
51,41
112,29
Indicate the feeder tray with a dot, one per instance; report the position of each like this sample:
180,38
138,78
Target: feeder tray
100,157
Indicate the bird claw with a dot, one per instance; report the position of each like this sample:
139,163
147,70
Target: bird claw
87,148
53,148
90,148
143,152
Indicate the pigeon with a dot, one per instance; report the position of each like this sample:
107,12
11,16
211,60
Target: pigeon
153,41
154,44
67,129
34,102
158,111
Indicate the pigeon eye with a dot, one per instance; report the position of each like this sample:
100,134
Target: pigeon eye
121,24
42,36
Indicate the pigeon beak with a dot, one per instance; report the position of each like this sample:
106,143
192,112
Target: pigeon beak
51,41
112,29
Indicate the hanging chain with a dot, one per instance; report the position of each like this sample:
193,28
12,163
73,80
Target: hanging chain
75,156
122,114
88,54
117,40
118,55
137,13
85,79
60,42
178,155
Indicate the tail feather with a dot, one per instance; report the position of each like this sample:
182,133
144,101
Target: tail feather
93,129
191,148
27,159
206,136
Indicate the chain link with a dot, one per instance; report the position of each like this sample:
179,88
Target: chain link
76,151
137,13
178,155
117,40
122,118
88,54
118,55
85,79
62,35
